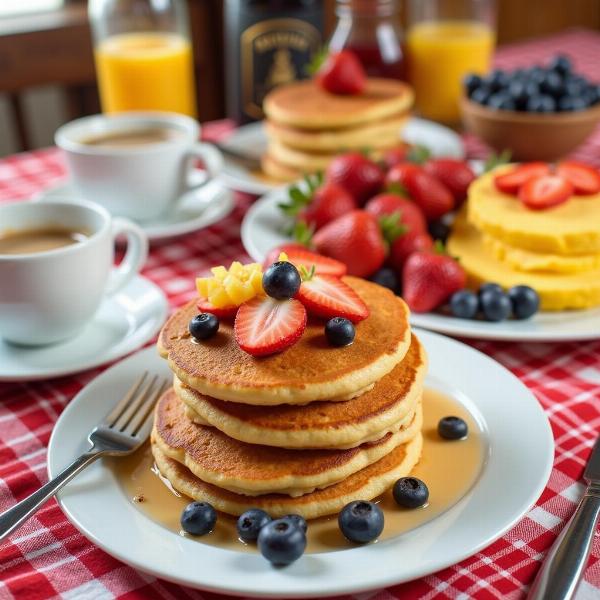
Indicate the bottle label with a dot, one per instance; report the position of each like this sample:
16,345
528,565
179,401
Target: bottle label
273,52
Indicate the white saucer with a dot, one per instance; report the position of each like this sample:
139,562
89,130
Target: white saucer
262,230
123,323
197,209
251,140
519,461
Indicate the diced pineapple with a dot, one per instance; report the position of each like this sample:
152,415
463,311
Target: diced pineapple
219,272
202,284
236,268
283,257
255,280
220,298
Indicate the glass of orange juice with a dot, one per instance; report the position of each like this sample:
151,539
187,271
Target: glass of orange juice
445,40
143,55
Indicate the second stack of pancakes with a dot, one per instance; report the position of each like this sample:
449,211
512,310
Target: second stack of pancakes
307,126
305,431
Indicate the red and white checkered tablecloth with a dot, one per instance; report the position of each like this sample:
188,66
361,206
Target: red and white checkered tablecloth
49,558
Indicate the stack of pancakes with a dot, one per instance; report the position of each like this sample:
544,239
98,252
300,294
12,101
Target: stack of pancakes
307,126
305,431
556,251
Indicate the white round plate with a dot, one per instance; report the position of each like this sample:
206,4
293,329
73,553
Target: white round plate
250,140
519,461
262,230
123,323
196,209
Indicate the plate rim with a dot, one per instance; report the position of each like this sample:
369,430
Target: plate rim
159,318
450,326
232,585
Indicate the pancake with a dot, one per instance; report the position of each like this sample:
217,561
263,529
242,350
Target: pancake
557,291
309,370
306,161
319,424
254,469
379,134
365,484
278,171
526,260
568,229
306,105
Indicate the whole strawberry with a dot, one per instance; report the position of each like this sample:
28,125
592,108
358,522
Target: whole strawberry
360,176
430,278
354,239
409,214
328,202
394,156
342,73
455,174
405,245
434,198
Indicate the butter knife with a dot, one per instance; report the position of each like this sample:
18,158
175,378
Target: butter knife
561,572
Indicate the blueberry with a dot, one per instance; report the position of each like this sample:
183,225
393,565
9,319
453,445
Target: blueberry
198,518
495,306
532,88
501,101
281,280
485,287
568,103
525,301
204,326
481,94
410,492
553,84
542,103
518,92
497,80
464,304
471,83
536,74
298,521
575,85
561,64
339,331
439,230
452,428
361,521
250,523
387,278
281,542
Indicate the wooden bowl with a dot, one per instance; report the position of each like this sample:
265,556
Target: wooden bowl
530,136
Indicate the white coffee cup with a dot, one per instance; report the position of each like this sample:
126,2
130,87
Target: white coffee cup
48,296
140,182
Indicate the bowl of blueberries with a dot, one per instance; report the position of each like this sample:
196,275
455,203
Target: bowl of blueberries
539,113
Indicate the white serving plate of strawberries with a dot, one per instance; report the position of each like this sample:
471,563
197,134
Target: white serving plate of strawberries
351,220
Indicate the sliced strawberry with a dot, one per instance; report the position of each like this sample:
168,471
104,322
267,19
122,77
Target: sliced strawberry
326,296
510,181
299,256
204,306
545,191
584,179
264,325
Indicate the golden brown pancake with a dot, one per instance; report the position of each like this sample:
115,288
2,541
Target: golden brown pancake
365,484
379,134
319,424
254,469
278,171
306,105
309,370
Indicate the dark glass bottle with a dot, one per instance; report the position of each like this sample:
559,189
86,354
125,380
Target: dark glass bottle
268,42
371,28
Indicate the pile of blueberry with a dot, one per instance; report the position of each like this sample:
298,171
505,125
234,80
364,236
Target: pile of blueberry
493,304
537,89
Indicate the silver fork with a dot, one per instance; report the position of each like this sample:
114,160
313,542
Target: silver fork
124,429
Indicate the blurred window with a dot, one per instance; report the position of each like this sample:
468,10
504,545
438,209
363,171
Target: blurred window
19,7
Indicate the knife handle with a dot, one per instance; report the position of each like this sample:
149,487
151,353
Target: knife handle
561,572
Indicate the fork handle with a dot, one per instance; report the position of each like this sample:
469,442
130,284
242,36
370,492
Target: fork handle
14,517
561,572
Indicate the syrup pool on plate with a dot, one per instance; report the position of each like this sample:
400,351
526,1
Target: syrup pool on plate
449,468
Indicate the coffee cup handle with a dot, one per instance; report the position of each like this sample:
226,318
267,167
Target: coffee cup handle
213,163
135,255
